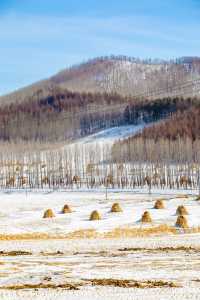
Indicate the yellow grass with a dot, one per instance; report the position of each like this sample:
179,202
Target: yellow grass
116,208
127,232
95,216
122,283
146,217
182,196
66,286
48,214
181,210
182,222
66,209
159,204
121,232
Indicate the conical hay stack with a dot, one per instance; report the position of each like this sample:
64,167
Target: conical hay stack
48,214
159,204
116,208
146,217
95,216
66,209
182,222
181,210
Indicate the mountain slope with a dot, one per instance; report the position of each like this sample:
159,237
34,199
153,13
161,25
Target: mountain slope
122,75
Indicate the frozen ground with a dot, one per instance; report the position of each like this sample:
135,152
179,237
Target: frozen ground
22,212
172,258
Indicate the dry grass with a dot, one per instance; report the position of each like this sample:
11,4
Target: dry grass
95,216
181,210
182,222
140,232
161,249
146,217
159,204
15,253
182,196
116,208
48,214
66,209
124,283
120,232
83,234
66,286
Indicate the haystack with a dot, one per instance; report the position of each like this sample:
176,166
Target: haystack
146,217
48,214
116,208
182,222
66,209
95,216
159,204
181,210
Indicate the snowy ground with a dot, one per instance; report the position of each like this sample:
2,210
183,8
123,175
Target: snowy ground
110,135
101,143
22,212
172,258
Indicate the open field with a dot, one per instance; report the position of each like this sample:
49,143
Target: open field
117,257
22,212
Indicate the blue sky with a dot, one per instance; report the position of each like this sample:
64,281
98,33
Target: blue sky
40,37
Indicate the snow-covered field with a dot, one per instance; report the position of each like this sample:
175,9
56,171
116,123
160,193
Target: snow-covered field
22,212
33,269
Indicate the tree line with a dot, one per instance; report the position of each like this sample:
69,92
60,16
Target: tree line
65,115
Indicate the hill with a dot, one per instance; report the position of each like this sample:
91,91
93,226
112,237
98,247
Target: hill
126,76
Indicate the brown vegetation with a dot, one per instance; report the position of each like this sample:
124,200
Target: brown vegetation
66,209
15,253
182,222
123,283
48,214
181,210
146,217
116,208
95,216
67,286
159,204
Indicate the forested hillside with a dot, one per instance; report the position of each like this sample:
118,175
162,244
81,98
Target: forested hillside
175,139
127,76
68,115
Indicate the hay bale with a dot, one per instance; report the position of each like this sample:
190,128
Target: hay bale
66,209
181,210
116,208
181,222
48,214
95,216
146,217
159,204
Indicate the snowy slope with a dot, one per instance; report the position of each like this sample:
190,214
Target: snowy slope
110,135
100,143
